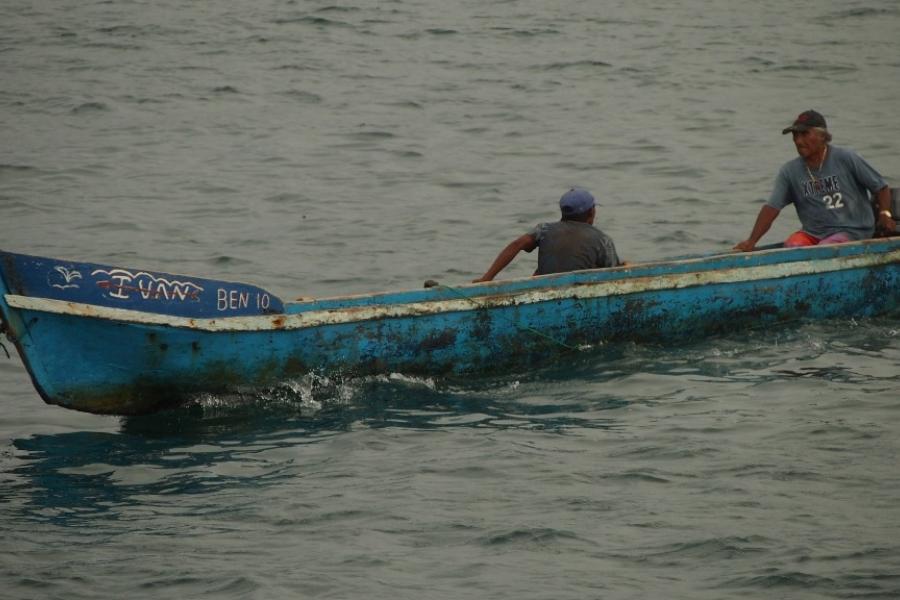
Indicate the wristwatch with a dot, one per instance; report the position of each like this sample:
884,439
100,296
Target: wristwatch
886,212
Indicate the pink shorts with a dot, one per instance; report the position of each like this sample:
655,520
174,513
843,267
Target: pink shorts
801,238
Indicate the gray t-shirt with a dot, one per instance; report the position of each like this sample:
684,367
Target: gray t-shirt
833,198
572,246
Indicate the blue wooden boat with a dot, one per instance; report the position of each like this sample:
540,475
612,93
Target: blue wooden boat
118,340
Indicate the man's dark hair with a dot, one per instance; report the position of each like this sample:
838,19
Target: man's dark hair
580,217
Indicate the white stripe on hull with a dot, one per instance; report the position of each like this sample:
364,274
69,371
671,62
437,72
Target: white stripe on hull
315,318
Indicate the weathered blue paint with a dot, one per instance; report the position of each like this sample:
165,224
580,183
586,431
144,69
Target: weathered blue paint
167,344
133,289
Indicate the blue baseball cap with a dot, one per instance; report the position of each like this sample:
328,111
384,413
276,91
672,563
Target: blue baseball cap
576,201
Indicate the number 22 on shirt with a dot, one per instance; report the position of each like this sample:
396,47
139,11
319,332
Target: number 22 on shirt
833,201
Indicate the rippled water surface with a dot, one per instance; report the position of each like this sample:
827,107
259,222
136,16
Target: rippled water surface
320,148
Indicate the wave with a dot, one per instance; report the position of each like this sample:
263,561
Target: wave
562,66
90,107
534,536
310,20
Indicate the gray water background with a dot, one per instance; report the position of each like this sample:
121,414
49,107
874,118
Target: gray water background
323,148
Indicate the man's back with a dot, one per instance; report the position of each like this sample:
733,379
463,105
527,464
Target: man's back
572,246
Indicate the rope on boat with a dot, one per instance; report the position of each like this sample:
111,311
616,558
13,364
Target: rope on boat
2,331
536,332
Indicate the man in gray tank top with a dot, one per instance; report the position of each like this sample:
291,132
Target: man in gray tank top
570,244
829,186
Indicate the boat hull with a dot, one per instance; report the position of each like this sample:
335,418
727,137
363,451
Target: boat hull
97,357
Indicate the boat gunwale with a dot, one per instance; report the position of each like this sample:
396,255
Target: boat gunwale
564,289
774,252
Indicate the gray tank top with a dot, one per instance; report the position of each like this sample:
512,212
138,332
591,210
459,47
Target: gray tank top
572,246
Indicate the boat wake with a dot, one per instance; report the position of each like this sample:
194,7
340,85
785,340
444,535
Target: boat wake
305,396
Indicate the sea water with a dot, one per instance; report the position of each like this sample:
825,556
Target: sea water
330,147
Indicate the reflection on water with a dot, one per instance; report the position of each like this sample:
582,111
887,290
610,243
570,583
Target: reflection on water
182,451
220,442
619,453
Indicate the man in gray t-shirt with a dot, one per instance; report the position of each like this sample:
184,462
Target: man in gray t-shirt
829,186
571,244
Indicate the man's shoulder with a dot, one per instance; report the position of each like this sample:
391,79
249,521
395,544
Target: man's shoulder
596,234
587,229
578,229
842,152
540,230
793,165
563,225
603,236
